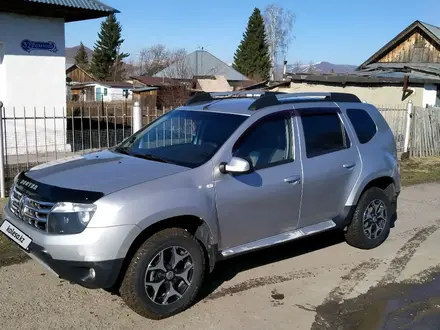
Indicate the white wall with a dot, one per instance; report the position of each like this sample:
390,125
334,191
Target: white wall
429,95
33,80
379,96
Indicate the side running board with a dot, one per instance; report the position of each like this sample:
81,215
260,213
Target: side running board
281,238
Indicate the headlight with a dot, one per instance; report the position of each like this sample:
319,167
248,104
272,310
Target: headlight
69,218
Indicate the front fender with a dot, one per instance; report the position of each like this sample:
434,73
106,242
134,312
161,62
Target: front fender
144,207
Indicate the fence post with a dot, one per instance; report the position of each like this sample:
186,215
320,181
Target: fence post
137,117
2,155
409,112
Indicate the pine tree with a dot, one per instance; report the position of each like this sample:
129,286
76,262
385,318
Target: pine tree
252,55
106,55
81,58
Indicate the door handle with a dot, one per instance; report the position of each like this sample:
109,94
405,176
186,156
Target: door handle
295,179
349,166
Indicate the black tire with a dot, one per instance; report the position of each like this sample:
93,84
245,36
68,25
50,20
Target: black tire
132,288
355,235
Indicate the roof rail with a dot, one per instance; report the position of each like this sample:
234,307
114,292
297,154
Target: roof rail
213,96
283,98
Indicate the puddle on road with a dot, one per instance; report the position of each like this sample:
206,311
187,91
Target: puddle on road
392,306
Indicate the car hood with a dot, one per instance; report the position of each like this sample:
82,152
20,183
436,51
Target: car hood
102,171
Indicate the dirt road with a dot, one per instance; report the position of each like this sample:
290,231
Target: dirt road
318,283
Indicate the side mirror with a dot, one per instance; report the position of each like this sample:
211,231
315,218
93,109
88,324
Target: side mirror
236,165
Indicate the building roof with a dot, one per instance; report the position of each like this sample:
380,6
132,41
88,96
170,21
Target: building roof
69,10
373,78
435,30
72,66
108,84
144,89
214,84
69,65
156,81
83,4
200,63
432,31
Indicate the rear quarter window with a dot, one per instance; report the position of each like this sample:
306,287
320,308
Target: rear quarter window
323,134
363,124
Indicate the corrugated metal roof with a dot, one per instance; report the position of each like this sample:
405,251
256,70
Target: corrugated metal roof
435,30
81,4
144,89
200,63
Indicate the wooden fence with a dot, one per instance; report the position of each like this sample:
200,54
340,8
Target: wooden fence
396,118
425,132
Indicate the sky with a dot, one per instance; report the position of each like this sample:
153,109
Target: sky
338,31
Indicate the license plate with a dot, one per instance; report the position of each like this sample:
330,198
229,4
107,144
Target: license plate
15,234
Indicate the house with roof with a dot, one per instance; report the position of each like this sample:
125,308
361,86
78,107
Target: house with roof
32,49
77,75
201,63
83,86
98,91
405,68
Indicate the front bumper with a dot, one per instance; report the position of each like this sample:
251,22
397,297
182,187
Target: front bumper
104,274
72,257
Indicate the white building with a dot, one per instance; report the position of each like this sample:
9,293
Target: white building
32,44
104,91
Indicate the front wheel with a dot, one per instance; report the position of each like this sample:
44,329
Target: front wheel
165,274
371,221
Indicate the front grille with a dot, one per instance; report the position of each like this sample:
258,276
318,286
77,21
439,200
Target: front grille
30,210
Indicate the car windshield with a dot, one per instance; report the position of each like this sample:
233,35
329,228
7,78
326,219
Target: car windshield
182,137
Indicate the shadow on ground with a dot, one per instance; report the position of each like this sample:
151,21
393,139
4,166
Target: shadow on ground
228,269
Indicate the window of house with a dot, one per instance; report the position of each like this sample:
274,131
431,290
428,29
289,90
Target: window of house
267,143
324,133
105,91
363,124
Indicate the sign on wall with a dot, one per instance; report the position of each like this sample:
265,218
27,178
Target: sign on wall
28,46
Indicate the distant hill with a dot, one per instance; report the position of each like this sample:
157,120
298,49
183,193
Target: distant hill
71,53
321,67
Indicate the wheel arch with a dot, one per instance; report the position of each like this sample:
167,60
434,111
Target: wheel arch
196,226
386,183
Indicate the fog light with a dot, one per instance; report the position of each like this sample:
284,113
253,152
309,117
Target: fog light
92,273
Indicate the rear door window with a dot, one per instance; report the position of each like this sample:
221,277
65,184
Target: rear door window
363,124
323,133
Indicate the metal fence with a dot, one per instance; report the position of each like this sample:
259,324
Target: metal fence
35,136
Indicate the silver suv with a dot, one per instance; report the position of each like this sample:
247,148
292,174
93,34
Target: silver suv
223,175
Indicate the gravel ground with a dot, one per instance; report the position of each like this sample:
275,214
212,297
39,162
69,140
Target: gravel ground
318,283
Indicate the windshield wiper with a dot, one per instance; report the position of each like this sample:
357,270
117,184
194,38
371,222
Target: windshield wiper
151,157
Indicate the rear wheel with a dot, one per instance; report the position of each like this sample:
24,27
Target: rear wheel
371,221
165,274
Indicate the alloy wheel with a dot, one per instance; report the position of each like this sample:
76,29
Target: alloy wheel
169,275
375,219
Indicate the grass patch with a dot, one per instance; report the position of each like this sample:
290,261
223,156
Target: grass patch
420,170
413,171
9,252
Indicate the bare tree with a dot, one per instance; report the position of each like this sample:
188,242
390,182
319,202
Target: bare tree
278,24
153,59
311,68
297,67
